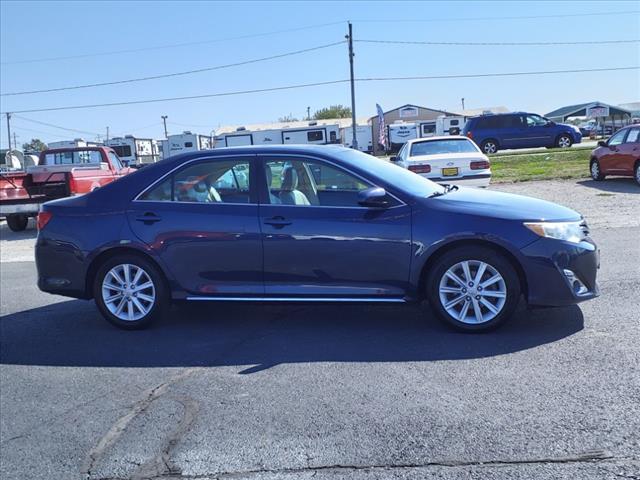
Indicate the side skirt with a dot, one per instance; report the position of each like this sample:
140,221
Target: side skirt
298,299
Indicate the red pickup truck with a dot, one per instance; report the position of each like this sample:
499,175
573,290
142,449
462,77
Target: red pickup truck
61,172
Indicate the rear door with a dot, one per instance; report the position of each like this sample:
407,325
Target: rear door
202,220
513,131
319,242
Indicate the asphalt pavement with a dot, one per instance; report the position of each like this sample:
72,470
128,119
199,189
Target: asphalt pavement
328,392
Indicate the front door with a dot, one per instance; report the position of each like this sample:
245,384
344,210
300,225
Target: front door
538,132
202,221
612,160
319,242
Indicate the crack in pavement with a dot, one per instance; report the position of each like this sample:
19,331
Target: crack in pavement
152,394
586,457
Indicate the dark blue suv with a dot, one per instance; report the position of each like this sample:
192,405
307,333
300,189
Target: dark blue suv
519,130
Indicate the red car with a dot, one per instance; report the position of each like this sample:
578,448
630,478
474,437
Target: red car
619,155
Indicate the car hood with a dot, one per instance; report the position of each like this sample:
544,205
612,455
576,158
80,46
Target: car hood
480,202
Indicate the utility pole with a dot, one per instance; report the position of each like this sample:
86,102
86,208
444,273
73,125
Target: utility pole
308,113
9,129
354,140
462,103
107,133
15,142
164,120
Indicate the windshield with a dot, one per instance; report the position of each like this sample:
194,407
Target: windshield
391,174
438,147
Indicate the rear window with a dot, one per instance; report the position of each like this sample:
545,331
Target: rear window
73,157
437,147
493,121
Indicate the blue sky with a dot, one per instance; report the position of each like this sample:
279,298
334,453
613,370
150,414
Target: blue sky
36,30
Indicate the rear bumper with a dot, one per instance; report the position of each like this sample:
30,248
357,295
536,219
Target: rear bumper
61,268
547,262
480,180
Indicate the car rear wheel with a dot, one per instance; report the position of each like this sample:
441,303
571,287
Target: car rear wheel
17,223
473,289
564,141
489,146
130,292
596,172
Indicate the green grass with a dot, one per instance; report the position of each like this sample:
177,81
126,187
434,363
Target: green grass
549,165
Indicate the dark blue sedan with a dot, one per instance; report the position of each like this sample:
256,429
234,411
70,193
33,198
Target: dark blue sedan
309,224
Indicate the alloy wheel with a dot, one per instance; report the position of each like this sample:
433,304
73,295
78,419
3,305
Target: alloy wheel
564,142
595,170
490,147
472,292
128,292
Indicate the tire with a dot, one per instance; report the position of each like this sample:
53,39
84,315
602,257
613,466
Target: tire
489,146
564,141
636,172
596,171
17,223
502,294
147,304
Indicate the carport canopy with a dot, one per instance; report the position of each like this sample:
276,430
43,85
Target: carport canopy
583,110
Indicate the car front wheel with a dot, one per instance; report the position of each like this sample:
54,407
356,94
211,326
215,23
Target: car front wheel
636,172
129,292
564,141
596,172
473,289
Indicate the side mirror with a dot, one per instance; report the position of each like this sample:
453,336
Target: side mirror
374,197
393,159
602,143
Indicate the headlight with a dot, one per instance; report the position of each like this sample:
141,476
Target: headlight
569,231
575,129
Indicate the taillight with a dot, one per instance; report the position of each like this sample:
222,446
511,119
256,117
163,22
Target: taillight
470,135
480,165
420,168
42,219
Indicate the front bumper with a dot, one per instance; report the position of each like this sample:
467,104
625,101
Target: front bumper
546,261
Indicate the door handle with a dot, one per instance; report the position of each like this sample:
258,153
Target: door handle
277,222
148,218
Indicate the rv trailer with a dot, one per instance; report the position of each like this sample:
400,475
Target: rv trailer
363,136
134,151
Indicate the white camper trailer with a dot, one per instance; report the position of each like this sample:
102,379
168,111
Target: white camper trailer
313,134
267,137
186,142
132,150
363,136
442,125
401,133
77,142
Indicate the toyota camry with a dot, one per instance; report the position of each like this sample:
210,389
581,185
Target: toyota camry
309,224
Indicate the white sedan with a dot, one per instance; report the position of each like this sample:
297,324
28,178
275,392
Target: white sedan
451,159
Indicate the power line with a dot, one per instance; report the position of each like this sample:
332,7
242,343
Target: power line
317,84
177,74
175,45
485,44
525,17
54,126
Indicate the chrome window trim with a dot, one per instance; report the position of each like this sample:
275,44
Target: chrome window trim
193,160
340,167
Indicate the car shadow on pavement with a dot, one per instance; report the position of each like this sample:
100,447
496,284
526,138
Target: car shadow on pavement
613,185
255,337
7,235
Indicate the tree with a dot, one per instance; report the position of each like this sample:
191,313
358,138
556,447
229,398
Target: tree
35,145
287,118
333,111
